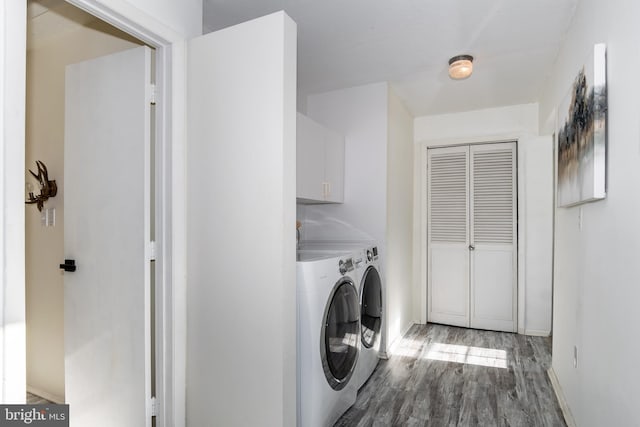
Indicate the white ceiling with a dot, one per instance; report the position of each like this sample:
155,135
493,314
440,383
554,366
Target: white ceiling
49,18
344,43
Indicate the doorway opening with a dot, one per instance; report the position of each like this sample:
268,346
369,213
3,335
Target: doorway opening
60,34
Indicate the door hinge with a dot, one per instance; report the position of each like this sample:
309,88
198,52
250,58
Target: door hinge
153,92
154,407
153,252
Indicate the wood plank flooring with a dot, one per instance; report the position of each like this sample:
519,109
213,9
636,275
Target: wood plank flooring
34,399
447,376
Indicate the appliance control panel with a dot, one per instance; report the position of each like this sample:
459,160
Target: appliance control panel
345,265
372,254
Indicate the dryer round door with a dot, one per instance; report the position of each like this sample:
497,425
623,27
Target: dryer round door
339,344
370,307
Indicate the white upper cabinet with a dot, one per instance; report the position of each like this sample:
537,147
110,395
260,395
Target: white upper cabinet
319,163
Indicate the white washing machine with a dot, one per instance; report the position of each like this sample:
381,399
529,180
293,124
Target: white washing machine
371,294
328,336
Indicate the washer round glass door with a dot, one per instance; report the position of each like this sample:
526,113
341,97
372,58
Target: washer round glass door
339,344
370,307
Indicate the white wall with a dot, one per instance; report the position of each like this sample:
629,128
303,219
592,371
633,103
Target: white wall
399,234
535,234
12,295
484,124
45,245
241,344
518,122
378,188
596,290
360,114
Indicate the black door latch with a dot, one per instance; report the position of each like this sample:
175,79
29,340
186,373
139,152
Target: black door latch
69,265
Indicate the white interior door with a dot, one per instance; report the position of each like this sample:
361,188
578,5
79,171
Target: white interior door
106,232
471,236
493,258
448,235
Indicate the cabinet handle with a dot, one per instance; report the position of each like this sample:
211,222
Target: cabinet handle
325,190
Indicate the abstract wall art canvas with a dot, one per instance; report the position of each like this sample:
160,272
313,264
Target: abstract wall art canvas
582,134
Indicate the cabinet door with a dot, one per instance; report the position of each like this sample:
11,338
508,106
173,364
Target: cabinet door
310,157
333,166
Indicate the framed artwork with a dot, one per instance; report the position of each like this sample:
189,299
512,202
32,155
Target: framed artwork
582,134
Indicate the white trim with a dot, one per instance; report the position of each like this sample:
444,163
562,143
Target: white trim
130,20
536,333
421,175
170,382
176,240
522,238
418,228
170,130
52,397
562,401
446,142
425,299
13,49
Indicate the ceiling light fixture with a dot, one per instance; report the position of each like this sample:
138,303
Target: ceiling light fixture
460,67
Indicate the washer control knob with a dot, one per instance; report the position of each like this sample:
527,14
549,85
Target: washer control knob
342,267
369,255
345,265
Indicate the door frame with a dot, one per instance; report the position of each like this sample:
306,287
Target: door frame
170,286
421,175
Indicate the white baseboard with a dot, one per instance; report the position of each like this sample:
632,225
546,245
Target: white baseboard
564,406
44,394
537,333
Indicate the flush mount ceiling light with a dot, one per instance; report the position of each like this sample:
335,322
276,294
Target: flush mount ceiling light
460,67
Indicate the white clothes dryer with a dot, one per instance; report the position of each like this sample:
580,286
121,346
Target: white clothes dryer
328,336
370,292
371,297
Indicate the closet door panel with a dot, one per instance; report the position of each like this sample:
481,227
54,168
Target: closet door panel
448,235
450,285
493,253
493,293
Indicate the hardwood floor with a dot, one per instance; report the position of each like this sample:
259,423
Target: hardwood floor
34,399
447,376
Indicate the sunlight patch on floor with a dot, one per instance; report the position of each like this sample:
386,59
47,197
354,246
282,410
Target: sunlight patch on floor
480,356
490,357
408,348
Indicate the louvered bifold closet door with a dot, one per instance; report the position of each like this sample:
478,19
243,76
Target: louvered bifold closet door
448,235
493,252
